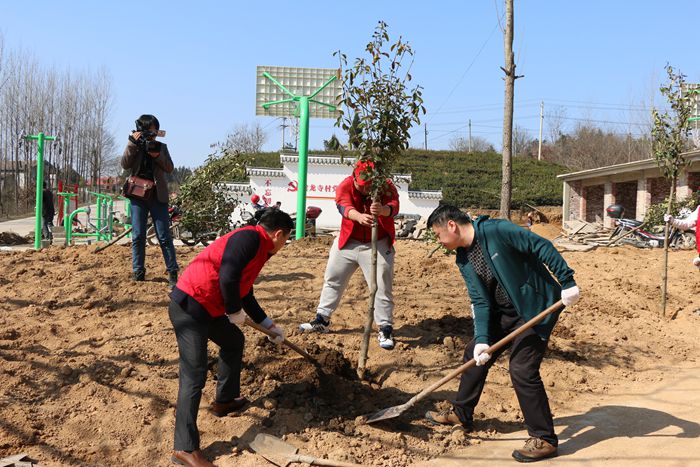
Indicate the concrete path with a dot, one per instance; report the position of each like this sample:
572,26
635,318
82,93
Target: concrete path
658,427
25,226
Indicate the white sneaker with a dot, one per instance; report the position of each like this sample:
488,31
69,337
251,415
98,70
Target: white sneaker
386,338
319,324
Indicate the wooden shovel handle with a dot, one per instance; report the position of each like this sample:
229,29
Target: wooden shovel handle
318,461
503,342
294,347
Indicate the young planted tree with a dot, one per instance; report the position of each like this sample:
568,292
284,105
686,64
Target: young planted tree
669,141
376,92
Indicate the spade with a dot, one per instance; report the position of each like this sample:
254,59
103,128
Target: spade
280,453
393,412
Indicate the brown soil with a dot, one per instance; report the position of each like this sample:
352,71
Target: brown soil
88,359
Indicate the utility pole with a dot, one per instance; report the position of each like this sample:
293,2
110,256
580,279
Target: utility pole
509,70
470,135
539,148
284,127
426,136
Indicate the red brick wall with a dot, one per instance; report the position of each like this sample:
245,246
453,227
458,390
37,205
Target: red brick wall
626,195
575,200
659,189
594,202
693,181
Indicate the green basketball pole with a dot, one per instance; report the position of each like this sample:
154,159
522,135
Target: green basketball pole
303,110
39,184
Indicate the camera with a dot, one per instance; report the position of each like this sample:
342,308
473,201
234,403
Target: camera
145,129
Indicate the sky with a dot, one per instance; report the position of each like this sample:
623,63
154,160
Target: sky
192,64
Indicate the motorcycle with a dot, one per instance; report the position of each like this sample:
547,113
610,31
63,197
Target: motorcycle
178,232
641,238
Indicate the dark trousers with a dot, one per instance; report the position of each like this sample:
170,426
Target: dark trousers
192,336
161,220
526,355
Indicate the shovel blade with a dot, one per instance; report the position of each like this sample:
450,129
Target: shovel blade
391,412
273,449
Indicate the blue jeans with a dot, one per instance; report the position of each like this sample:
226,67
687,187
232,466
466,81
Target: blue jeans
161,220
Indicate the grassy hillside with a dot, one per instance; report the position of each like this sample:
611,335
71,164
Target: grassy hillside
470,180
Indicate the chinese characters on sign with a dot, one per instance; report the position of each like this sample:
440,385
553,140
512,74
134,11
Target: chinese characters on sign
267,197
312,187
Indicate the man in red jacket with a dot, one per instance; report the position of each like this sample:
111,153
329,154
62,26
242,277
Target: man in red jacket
353,249
208,302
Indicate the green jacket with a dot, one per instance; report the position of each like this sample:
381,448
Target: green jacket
519,260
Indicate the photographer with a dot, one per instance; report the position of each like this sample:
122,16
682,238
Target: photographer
149,160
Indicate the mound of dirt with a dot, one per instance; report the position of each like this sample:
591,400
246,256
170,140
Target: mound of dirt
11,238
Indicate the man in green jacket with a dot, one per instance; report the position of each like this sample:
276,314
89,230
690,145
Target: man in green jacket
506,271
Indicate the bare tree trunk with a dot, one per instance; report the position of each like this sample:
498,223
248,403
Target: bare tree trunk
664,272
364,347
507,168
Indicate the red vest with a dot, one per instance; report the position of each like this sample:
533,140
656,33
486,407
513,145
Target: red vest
346,195
201,278
697,232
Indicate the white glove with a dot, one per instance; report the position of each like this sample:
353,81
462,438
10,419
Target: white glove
668,218
237,318
279,338
570,296
480,354
696,262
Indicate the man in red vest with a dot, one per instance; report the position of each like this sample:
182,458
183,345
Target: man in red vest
353,249
692,221
208,303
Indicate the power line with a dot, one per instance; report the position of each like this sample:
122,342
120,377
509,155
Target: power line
466,71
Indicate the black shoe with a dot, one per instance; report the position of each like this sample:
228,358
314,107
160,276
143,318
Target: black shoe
386,337
319,324
172,279
139,276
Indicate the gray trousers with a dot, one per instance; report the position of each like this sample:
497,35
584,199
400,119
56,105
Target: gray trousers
341,266
192,336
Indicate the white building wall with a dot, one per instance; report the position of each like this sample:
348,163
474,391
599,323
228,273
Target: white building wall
324,174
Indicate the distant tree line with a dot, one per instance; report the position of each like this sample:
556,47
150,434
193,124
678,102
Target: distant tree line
73,106
585,146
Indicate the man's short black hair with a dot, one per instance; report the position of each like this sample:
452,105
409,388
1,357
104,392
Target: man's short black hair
273,219
447,212
146,121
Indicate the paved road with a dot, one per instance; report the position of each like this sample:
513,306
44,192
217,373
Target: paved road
657,427
25,226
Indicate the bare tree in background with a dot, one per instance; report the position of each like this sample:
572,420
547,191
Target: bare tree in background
554,119
479,144
521,141
247,139
75,107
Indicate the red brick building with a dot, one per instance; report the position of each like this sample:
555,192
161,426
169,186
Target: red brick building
634,185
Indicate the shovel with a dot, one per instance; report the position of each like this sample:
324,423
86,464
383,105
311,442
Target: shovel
294,347
393,412
280,453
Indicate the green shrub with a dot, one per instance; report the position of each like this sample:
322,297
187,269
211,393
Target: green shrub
655,214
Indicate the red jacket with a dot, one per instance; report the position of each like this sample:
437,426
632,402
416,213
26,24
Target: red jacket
220,279
347,196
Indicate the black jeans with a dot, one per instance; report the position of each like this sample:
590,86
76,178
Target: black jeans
192,336
526,355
